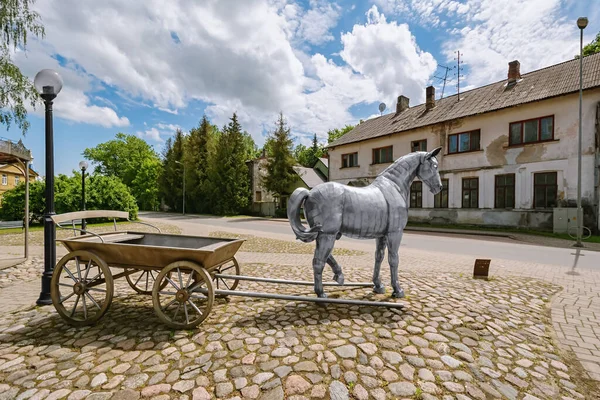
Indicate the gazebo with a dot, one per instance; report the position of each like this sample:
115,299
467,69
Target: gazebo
16,154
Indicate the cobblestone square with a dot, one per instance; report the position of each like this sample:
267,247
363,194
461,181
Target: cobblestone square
457,338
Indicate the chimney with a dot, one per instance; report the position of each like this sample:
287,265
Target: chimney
402,104
430,97
514,71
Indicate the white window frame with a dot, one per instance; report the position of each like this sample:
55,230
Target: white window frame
4,179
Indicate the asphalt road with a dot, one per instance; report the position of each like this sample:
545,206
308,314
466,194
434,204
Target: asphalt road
476,246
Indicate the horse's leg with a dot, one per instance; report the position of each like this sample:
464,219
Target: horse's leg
393,242
338,275
379,253
325,244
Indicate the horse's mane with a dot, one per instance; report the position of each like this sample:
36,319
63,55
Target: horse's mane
405,162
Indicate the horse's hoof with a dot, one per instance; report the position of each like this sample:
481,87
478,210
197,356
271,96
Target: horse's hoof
339,279
322,296
398,294
379,290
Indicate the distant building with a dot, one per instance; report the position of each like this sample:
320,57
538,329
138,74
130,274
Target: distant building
509,149
265,203
11,176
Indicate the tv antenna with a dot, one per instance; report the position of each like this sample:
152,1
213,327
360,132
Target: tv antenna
381,108
458,71
444,79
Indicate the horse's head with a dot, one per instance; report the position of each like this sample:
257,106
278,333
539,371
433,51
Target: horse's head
428,171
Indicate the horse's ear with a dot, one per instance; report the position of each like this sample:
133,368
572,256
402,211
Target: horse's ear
433,153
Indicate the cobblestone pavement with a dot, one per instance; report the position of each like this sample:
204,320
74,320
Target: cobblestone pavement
457,338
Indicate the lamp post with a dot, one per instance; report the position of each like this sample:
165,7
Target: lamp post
48,83
83,166
581,24
178,162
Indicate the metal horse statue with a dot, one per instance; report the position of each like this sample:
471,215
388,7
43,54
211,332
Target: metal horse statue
378,211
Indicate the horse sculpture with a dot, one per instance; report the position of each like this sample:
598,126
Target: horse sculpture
378,211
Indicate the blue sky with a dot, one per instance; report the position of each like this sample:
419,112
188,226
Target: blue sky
150,67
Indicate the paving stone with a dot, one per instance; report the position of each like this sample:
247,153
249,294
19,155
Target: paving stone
295,384
346,351
338,391
402,388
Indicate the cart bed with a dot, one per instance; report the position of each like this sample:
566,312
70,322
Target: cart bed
155,250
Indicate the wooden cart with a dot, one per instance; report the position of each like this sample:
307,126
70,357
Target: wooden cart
180,272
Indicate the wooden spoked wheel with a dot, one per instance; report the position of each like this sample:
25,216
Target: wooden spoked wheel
187,297
231,267
142,281
81,288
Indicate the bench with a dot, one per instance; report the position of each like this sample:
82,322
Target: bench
11,224
74,218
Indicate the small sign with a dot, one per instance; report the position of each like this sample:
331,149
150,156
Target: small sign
481,269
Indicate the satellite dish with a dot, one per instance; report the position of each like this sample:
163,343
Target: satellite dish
381,108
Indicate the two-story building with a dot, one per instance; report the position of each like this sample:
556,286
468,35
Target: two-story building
510,149
11,176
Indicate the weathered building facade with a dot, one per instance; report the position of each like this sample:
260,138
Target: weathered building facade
510,149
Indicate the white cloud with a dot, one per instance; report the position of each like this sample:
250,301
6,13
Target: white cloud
537,35
72,103
249,57
160,129
387,54
490,33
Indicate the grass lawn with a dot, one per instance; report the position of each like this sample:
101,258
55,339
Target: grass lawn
591,239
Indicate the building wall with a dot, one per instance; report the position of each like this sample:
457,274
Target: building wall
496,157
11,171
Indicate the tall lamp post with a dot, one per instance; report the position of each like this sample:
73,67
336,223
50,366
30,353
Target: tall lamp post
83,166
581,24
178,162
48,83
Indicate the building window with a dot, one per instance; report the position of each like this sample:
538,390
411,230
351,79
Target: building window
464,142
418,145
382,155
532,131
258,195
440,200
545,190
349,160
416,195
4,179
470,192
16,181
504,196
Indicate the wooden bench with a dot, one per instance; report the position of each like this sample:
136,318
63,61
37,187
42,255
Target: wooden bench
75,217
11,224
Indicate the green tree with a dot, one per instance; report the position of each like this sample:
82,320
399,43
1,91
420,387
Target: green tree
196,154
171,178
308,156
280,164
102,193
17,21
228,173
334,134
126,157
593,47
13,202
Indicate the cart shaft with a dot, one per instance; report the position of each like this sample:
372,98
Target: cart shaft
306,298
287,282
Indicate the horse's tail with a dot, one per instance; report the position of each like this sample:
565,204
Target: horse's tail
293,213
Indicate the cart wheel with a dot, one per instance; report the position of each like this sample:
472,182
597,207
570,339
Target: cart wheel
187,298
231,267
81,288
142,281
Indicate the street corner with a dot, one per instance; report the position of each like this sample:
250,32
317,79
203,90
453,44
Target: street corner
456,338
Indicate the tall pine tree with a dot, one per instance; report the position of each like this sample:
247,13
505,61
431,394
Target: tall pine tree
280,165
196,157
228,174
171,180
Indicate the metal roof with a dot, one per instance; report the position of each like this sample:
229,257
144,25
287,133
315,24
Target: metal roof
556,80
309,176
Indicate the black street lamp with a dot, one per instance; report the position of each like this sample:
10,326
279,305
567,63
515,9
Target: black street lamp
581,24
48,83
83,166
